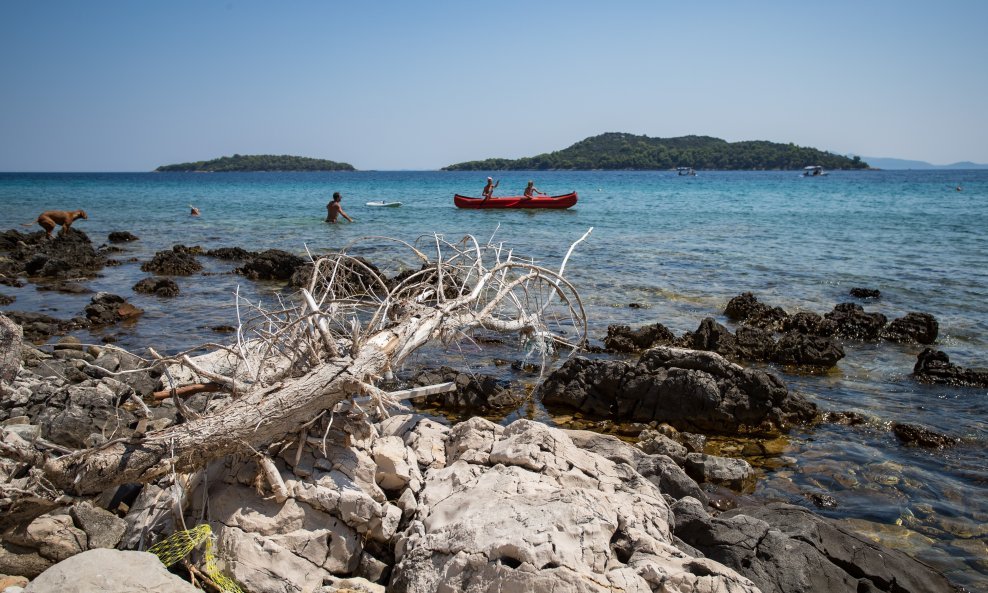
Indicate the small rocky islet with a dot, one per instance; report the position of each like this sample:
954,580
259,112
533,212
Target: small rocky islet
413,503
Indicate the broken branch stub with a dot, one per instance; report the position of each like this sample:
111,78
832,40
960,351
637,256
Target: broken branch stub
295,362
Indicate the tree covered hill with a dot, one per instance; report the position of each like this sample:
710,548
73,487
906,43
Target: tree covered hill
259,162
628,151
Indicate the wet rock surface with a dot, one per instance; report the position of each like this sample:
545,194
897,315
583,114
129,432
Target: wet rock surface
914,328
121,237
108,309
621,338
934,366
865,293
231,253
478,393
273,264
67,255
785,548
689,389
910,434
162,287
174,262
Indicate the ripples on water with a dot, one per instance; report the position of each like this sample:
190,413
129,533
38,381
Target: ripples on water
681,246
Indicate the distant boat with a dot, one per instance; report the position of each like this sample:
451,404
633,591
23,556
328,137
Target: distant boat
686,171
562,201
383,204
813,171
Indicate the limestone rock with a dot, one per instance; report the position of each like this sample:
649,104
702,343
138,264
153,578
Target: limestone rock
109,571
543,514
267,544
103,528
11,337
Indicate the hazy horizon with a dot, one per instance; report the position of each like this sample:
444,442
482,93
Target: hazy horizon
123,86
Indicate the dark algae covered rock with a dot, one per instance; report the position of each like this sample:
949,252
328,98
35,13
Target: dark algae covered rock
688,389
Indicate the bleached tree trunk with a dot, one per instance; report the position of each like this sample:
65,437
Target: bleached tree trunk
505,295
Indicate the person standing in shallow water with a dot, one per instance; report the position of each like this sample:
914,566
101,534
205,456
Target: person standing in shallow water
334,209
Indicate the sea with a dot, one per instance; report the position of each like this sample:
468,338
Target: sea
664,248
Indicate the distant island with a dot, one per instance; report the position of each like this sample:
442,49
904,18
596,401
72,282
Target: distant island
905,164
618,151
258,162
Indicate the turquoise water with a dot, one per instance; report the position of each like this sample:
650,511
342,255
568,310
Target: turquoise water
683,246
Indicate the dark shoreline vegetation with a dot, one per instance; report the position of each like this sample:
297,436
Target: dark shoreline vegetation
614,151
679,403
241,163
620,151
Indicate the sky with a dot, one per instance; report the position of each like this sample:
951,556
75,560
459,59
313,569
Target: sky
131,85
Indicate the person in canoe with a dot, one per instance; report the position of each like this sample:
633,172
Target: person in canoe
489,188
531,191
334,209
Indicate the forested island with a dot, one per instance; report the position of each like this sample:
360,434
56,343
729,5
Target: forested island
617,151
258,162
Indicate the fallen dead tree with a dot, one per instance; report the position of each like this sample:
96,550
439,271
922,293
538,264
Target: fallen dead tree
293,363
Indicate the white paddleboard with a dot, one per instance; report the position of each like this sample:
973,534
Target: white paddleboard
383,204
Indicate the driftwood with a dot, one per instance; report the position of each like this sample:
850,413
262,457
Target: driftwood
187,390
350,328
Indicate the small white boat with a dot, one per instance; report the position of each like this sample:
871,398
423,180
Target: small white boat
813,171
383,204
686,171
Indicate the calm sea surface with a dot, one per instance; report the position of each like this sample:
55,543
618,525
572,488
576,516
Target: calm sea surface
682,246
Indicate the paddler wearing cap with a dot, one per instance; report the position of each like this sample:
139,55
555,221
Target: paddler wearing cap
489,188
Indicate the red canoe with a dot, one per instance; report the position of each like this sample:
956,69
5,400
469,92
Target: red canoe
563,201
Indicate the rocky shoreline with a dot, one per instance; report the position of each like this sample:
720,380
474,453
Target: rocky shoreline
406,503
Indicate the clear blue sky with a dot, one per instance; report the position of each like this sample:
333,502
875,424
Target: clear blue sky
130,85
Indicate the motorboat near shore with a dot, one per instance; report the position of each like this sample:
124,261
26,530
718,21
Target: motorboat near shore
558,202
813,171
686,171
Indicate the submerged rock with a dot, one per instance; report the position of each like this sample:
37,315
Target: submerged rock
910,434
